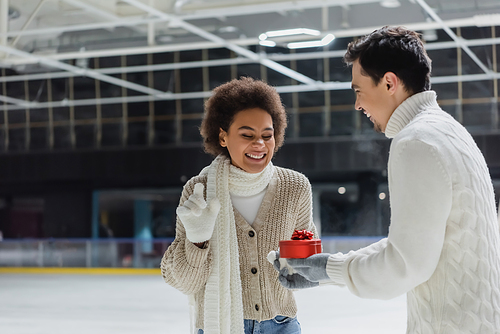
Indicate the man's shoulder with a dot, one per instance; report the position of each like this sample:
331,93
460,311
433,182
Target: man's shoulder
436,132
430,126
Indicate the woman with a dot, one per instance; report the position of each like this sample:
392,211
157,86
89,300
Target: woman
234,213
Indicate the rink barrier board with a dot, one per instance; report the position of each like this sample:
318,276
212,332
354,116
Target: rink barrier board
80,271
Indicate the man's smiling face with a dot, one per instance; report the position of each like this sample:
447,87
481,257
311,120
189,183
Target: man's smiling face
374,100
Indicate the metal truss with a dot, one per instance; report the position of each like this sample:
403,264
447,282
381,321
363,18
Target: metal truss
154,16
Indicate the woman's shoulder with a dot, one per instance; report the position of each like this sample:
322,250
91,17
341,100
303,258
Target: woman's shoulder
291,176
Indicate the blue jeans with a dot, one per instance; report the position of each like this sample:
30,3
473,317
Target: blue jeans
279,325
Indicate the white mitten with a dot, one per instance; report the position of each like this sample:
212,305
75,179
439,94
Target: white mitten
197,216
278,262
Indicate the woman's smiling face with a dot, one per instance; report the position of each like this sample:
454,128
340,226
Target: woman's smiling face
250,140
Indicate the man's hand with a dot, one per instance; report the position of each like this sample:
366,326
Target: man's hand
287,277
312,268
294,281
197,216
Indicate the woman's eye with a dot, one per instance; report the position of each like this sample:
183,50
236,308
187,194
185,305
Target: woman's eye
267,137
246,136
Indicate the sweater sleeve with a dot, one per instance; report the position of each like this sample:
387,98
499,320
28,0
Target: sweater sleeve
421,199
185,266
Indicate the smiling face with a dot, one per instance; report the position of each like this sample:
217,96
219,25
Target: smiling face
250,140
377,102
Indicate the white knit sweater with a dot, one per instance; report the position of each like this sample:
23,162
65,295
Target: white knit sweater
443,247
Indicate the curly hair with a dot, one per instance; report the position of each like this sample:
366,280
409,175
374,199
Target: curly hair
234,96
396,50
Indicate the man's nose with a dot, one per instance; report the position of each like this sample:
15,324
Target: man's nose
357,106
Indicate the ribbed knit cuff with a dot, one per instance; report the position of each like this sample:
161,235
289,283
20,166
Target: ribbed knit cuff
334,268
196,256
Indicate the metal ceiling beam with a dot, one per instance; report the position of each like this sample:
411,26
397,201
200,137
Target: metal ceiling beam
201,95
268,7
81,71
419,26
28,21
232,61
236,11
4,22
457,39
22,103
222,42
81,27
99,12
137,20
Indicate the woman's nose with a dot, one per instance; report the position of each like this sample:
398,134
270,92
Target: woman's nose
259,141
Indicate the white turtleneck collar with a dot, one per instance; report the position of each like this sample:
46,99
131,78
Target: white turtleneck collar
407,110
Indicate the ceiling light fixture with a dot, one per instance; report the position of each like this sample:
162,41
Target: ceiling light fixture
267,43
390,3
430,35
290,32
311,44
285,32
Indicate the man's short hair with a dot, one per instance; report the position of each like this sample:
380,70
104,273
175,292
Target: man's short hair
396,50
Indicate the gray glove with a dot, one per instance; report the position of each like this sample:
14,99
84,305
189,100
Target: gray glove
294,281
287,277
312,268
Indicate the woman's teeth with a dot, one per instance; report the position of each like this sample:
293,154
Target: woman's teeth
255,156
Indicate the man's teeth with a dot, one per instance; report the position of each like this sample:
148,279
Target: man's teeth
255,156
368,115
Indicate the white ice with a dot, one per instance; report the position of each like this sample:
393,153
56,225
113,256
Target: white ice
91,304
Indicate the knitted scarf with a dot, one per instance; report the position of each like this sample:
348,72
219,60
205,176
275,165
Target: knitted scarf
223,296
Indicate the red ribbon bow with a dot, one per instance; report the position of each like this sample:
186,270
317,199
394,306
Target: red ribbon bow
302,235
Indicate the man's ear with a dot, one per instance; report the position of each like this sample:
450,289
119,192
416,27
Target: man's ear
391,81
222,137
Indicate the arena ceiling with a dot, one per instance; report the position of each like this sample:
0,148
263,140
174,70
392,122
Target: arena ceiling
38,38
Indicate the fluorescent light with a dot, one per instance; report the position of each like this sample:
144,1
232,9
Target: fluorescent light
262,37
430,35
486,20
290,32
267,43
327,39
390,3
311,44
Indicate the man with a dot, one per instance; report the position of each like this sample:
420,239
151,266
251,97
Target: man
443,246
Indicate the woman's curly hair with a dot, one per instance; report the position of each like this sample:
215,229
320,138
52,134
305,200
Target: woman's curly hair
234,96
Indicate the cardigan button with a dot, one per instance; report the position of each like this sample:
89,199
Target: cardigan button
254,270
251,234
256,307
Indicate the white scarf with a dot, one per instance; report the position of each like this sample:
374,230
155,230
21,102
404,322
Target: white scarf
223,307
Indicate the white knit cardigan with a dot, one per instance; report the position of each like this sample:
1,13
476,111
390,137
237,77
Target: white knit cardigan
443,246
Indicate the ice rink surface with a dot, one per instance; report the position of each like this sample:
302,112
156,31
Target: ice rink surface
109,304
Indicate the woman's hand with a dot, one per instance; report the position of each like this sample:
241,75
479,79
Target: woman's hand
197,216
